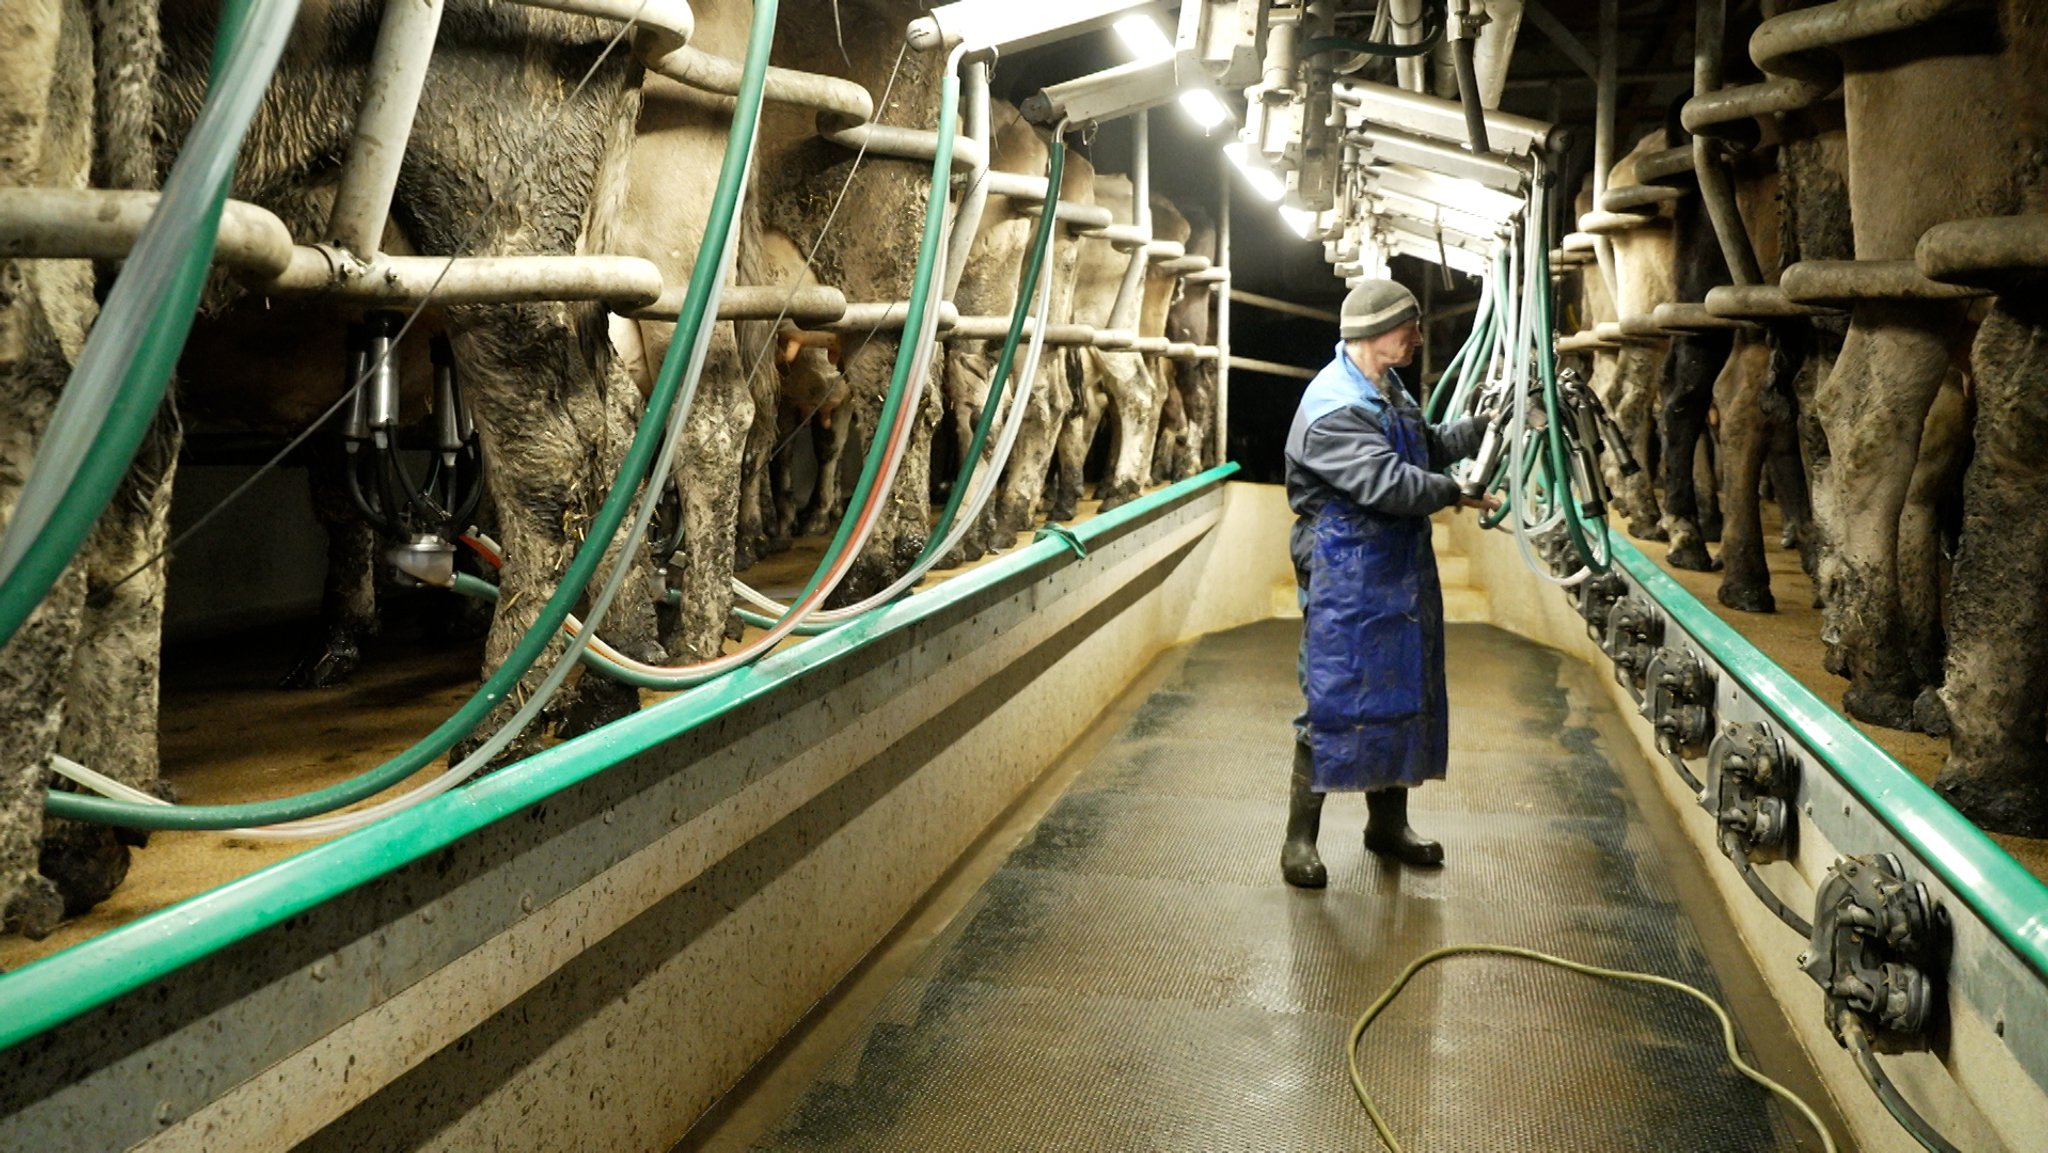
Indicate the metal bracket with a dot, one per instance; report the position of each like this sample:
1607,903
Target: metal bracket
1873,937
1634,628
1678,700
1751,778
1595,597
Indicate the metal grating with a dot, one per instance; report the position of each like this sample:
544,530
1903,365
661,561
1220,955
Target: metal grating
1136,977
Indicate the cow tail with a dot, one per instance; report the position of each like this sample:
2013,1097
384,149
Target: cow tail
129,45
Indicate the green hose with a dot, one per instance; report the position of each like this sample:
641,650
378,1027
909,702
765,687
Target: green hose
118,384
1041,240
1728,1040
1575,521
646,439
913,326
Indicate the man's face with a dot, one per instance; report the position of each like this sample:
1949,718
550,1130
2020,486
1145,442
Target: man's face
1397,346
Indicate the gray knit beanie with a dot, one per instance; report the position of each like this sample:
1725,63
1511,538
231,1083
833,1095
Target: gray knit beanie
1374,307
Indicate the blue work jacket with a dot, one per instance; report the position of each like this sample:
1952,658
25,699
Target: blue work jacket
1363,476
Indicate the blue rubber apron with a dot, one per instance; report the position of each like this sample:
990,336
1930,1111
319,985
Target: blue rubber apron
1372,648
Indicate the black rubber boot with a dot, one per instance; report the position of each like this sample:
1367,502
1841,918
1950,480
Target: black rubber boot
1387,832
1300,866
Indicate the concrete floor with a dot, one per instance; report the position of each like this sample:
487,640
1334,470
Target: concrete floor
1120,967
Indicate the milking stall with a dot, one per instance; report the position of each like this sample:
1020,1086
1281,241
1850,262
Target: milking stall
1075,575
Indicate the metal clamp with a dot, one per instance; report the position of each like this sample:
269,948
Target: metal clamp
1678,700
1751,779
1873,932
1634,629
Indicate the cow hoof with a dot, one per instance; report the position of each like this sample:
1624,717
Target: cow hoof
325,667
1114,500
34,911
1880,708
1997,804
1691,555
1062,511
86,863
1930,713
1748,598
598,703
1647,530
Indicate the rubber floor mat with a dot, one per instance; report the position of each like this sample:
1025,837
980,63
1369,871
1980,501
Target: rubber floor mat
1137,976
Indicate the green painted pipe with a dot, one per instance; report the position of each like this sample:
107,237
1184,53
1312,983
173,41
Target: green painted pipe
114,392
2011,902
44,994
646,439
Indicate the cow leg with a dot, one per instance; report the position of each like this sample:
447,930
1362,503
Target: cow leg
348,597
1170,445
1695,362
1997,771
1200,401
1077,435
1745,438
110,717
1636,367
967,372
1130,389
1944,450
714,445
1874,405
35,664
904,520
1044,421
552,446
1780,402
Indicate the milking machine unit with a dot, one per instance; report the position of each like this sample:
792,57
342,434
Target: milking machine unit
423,517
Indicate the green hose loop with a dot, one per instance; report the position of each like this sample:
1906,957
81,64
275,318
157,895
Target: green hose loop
1041,243
118,384
646,439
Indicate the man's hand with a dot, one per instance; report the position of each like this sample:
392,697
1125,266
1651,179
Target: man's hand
1486,503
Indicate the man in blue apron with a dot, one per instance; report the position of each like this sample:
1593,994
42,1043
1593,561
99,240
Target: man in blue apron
1364,473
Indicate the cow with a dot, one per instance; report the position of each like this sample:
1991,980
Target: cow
541,174
1997,666
866,245
1875,403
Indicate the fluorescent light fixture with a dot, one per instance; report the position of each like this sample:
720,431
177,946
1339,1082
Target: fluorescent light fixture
1142,36
1301,220
1204,107
1263,180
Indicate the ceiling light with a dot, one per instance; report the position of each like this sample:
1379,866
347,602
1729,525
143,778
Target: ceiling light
1301,220
1204,107
1263,180
1142,36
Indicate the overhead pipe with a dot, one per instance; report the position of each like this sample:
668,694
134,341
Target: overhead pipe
1130,297
974,197
1605,94
1717,184
376,149
1468,80
1492,170
1221,295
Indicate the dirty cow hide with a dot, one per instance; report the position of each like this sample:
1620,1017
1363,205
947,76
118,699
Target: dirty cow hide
1997,770
869,250
989,284
80,676
1908,171
671,176
1054,393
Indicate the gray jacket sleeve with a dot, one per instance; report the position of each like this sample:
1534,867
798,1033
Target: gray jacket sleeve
1455,440
1349,452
